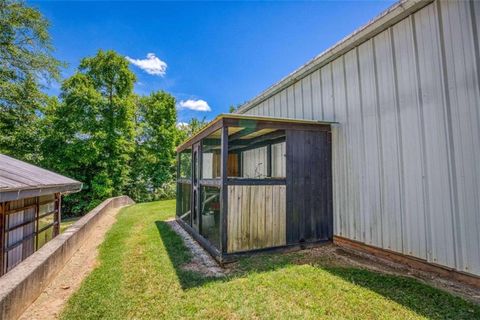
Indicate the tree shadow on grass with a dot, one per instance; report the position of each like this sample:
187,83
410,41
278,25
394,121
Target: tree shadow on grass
411,293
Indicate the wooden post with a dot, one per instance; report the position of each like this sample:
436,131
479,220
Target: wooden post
56,227
224,191
269,160
240,164
2,238
199,185
177,194
37,213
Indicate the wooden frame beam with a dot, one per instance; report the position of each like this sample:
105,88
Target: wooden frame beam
269,160
256,182
56,227
224,191
202,134
257,145
242,133
253,123
268,136
256,125
2,238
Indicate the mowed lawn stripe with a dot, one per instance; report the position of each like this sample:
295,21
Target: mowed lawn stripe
140,277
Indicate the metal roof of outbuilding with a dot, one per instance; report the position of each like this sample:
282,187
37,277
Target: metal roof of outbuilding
20,180
244,119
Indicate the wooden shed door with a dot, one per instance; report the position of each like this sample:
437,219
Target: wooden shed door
309,186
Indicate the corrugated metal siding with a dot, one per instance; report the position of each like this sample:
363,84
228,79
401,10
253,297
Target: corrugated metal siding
406,155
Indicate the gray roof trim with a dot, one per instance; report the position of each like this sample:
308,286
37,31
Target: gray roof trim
29,193
386,19
19,180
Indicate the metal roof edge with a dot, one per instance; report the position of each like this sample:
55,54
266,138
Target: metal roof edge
251,117
384,20
16,194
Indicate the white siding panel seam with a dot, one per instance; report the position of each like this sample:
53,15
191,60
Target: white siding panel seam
380,145
363,203
348,155
452,174
311,97
474,7
333,92
476,45
320,90
400,164
421,120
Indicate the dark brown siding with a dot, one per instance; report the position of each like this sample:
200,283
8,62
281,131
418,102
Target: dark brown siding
309,186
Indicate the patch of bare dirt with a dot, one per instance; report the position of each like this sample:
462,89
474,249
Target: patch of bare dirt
52,300
201,261
333,255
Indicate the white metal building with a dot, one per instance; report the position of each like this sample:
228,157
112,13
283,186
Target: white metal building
405,92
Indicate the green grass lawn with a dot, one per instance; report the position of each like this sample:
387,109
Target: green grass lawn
140,277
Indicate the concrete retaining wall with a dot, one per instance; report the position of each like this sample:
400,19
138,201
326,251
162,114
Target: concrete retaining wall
22,285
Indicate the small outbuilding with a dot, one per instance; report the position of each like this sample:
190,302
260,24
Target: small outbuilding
248,183
30,202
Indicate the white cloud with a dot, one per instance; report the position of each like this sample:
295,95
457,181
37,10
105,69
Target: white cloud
195,105
182,124
151,65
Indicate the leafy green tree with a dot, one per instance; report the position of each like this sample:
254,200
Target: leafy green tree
26,63
91,130
191,128
156,134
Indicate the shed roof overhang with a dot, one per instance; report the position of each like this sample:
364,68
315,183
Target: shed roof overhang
19,180
254,123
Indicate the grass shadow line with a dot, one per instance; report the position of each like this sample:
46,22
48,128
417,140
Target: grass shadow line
411,293
180,256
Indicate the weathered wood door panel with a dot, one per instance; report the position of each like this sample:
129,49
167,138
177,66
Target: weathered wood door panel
256,217
309,186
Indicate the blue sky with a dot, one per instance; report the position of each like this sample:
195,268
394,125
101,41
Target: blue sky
215,53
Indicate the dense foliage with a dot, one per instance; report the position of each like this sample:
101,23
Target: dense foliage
97,131
104,135
26,62
156,138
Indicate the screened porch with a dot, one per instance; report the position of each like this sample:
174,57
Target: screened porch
239,183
